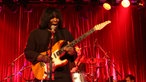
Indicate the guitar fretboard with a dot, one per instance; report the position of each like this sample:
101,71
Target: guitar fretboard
96,27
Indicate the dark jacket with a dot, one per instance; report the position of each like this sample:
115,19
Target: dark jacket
38,42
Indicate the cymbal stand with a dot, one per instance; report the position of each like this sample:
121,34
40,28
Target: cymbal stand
108,60
113,65
110,64
92,63
92,71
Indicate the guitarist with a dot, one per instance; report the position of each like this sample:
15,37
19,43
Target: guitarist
40,43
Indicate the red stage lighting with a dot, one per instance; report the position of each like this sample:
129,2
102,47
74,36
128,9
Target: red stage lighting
125,3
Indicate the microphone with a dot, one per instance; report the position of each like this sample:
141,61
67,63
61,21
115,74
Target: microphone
53,28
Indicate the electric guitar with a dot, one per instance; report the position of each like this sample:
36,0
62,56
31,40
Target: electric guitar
40,69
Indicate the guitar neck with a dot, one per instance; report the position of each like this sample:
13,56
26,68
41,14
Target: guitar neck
74,42
96,27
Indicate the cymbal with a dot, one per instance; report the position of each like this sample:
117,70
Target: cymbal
95,66
95,60
92,60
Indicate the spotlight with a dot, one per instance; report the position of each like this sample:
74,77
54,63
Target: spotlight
125,3
141,3
107,6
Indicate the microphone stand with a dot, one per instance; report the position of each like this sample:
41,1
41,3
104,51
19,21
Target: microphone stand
51,75
93,63
23,68
12,66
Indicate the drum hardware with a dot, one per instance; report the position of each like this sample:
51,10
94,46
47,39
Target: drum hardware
93,64
92,67
107,57
96,63
78,77
109,63
91,76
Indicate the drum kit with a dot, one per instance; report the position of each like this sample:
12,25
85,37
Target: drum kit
90,73
93,67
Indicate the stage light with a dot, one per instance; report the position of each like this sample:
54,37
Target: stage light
141,3
107,6
125,3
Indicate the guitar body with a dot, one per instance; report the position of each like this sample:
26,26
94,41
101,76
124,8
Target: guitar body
40,69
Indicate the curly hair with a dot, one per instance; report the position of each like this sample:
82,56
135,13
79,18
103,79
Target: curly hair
48,14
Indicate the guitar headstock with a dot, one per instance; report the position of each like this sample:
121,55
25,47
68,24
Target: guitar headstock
101,25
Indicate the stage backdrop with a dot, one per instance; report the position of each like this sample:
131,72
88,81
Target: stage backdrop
116,50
